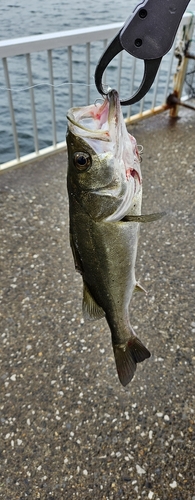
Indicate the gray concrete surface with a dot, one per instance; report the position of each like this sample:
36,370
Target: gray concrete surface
68,428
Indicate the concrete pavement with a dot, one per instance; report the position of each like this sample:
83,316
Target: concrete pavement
68,428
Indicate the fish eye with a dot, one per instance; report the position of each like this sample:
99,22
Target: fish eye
82,161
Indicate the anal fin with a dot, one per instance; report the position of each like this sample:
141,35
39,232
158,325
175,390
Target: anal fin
140,288
127,356
91,310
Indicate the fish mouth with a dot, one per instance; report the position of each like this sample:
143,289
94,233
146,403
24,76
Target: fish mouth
102,126
125,143
91,121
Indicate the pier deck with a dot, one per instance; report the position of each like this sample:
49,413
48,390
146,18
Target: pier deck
68,428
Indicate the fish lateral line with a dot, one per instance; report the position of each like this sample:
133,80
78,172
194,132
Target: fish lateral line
143,218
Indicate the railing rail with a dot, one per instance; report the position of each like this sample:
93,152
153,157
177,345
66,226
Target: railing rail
66,61
49,41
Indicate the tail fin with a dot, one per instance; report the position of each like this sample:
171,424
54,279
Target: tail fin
127,356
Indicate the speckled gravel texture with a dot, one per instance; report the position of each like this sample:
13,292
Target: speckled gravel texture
68,428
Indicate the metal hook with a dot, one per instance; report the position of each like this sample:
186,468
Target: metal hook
150,70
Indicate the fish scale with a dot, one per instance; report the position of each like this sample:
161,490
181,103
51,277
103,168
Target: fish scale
105,215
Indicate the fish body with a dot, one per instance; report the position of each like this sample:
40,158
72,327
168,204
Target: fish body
105,194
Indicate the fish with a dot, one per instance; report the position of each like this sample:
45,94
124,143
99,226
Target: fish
104,185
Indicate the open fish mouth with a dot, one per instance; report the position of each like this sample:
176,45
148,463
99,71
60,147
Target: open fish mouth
102,126
123,140
91,121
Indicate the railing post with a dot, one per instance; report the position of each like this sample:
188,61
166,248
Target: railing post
70,76
31,89
12,114
179,77
88,73
51,81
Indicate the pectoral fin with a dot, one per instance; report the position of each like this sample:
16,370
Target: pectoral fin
76,256
91,310
143,218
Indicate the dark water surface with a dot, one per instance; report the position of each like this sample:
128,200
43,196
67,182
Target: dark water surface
21,18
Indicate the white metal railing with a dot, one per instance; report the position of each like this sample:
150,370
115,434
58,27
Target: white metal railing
60,66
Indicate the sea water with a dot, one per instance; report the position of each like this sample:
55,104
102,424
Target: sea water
20,18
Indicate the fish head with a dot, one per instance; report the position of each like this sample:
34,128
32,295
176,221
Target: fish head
104,174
